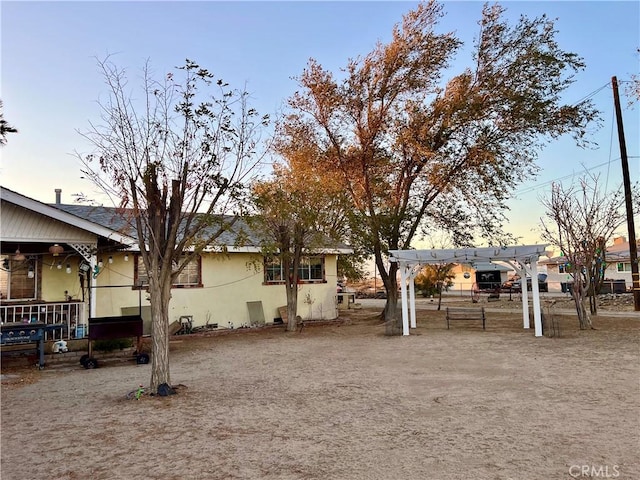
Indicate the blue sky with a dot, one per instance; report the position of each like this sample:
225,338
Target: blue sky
50,82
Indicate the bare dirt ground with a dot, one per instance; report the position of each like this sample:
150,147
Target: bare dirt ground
344,402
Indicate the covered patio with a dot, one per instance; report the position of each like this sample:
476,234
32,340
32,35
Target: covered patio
522,258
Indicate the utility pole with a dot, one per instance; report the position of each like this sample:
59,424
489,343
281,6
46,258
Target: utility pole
633,247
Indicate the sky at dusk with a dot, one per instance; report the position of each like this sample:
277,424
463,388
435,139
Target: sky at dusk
50,83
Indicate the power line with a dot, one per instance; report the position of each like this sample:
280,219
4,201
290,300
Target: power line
607,163
592,94
559,179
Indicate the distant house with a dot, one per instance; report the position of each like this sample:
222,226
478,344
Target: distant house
617,273
619,261
483,276
66,263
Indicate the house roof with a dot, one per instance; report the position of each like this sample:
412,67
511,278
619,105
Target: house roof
240,237
88,224
117,224
619,252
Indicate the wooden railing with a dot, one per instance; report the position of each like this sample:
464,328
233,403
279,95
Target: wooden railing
71,314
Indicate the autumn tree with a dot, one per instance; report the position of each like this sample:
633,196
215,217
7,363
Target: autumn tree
5,127
298,210
414,154
332,213
178,154
434,279
579,221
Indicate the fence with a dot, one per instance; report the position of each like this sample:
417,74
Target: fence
71,314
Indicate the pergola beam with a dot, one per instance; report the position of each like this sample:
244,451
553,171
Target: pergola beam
410,261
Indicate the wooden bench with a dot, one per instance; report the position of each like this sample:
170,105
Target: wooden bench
461,313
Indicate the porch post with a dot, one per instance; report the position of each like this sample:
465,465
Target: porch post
92,285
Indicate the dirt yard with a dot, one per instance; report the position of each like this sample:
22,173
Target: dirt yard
344,402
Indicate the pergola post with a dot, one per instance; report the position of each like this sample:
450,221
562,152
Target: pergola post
535,289
403,291
524,290
412,294
517,256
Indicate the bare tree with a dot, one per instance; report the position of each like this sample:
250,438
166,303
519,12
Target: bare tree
632,89
580,220
177,155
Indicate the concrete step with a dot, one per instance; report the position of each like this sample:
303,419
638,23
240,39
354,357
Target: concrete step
29,358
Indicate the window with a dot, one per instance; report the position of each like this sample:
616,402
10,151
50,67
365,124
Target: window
273,270
18,280
189,277
561,268
623,267
311,270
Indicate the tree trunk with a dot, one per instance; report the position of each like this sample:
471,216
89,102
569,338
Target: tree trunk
292,306
439,296
578,292
160,298
392,320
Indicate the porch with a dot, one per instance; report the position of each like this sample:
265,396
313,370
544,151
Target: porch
72,314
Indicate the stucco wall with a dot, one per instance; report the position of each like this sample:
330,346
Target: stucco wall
56,281
229,282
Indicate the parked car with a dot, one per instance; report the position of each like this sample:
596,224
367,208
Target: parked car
515,285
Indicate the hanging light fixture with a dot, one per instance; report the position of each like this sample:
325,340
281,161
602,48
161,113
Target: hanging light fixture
110,259
56,250
30,272
19,257
126,257
59,265
100,263
68,268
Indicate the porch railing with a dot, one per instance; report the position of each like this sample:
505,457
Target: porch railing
71,314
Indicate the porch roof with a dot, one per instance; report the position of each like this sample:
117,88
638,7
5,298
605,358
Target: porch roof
83,223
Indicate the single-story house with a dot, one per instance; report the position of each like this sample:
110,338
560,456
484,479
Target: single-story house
617,273
484,276
64,263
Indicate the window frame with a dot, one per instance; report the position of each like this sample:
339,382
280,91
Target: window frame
15,267
269,265
623,267
138,262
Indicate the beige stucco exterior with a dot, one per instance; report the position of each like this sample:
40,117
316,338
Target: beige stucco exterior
229,280
228,283
55,282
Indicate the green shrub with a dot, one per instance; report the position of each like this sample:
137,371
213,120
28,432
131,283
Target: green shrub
113,344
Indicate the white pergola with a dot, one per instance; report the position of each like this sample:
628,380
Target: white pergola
523,259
